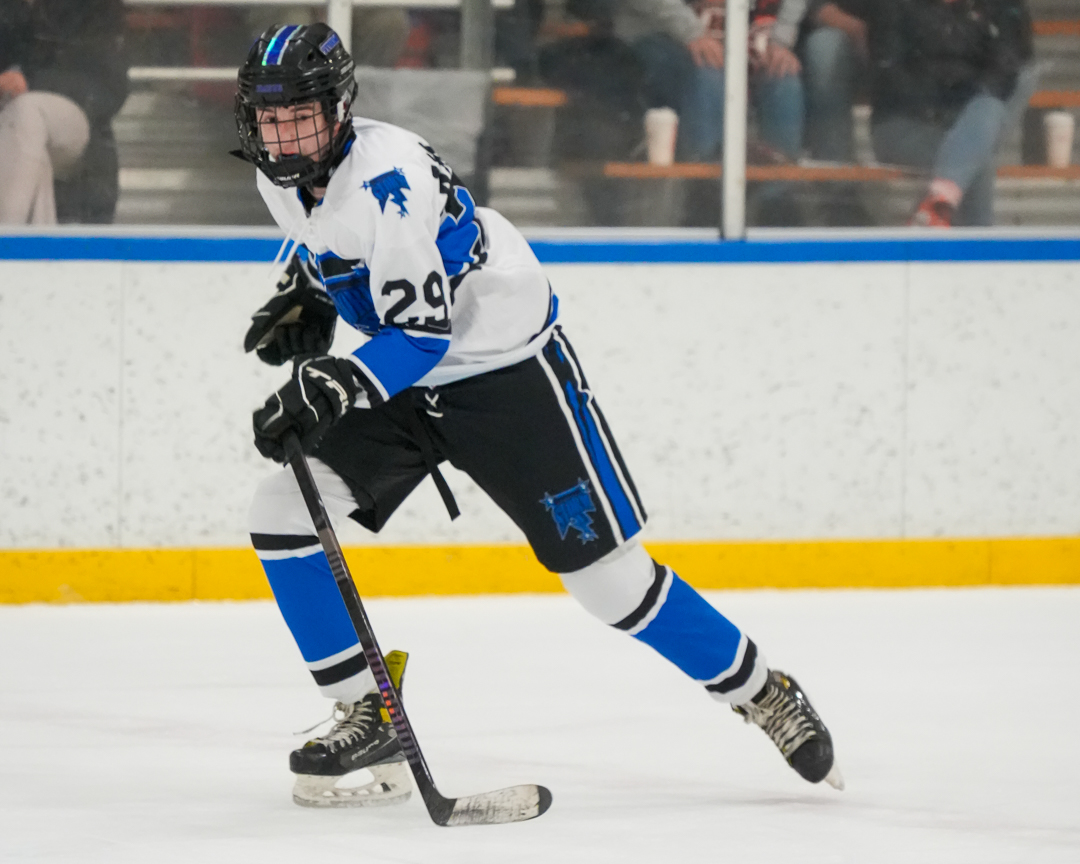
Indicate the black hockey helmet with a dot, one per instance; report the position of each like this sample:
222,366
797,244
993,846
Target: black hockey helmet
290,65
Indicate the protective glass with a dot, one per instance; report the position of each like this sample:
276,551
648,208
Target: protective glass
586,121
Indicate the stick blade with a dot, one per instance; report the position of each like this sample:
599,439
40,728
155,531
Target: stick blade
515,804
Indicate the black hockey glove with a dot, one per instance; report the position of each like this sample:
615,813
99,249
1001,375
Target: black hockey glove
321,390
299,319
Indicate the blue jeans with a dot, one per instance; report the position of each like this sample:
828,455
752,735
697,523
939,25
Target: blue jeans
778,103
831,70
964,152
697,95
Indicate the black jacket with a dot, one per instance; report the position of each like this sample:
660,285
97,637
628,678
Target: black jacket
71,47
931,57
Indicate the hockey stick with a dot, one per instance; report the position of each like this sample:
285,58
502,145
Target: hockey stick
515,804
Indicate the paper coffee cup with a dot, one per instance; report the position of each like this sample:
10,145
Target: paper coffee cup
1060,126
661,130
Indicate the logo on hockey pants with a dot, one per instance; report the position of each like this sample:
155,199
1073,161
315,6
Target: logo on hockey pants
390,186
571,509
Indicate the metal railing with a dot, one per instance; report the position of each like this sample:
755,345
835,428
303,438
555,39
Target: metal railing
477,27
499,74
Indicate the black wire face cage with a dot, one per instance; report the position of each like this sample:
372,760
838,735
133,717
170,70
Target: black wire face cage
277,146
301,69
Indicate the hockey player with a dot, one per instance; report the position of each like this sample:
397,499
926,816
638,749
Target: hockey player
465,363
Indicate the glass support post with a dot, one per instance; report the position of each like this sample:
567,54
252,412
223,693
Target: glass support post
736,79
339,17
477,34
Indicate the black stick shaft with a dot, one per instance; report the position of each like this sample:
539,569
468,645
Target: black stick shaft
438,807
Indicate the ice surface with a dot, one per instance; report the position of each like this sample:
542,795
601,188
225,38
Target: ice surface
160,733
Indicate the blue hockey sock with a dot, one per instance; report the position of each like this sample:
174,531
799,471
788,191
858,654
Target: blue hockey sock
682,626
312,607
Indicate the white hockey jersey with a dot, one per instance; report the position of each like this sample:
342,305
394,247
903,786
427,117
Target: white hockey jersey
446,290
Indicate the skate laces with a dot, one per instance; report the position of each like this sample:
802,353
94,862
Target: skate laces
782,717
352,723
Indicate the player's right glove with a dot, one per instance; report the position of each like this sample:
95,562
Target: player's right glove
319,393
299,319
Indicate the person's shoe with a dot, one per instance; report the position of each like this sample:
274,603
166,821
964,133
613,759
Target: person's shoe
933,212
762,153
783,711
362,738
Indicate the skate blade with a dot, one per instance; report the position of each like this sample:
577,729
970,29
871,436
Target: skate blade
834,778
390,784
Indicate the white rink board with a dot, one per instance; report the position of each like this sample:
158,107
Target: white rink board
800,401
140,733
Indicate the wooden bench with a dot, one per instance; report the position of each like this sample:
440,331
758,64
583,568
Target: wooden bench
529,97
1057,28
565,30
1039,172
577,29
790,173
1056,99
549,97
814,173
155,19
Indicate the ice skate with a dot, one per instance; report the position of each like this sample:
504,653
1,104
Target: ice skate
786,715
362,740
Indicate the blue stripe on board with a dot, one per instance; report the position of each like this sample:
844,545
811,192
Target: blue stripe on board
808,251
755,251
60,248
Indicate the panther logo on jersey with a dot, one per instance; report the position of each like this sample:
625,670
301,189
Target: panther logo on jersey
390,186
571,509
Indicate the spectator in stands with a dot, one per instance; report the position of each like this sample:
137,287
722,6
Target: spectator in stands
950,77
516,31
834,49
64,78
682,52
835,53
775,84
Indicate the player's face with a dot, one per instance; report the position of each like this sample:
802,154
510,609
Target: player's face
295,130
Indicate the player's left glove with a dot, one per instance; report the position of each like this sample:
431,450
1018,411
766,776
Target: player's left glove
299,319
321,390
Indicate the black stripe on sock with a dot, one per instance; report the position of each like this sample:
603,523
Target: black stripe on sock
651,596
340,671
279,542
742,676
